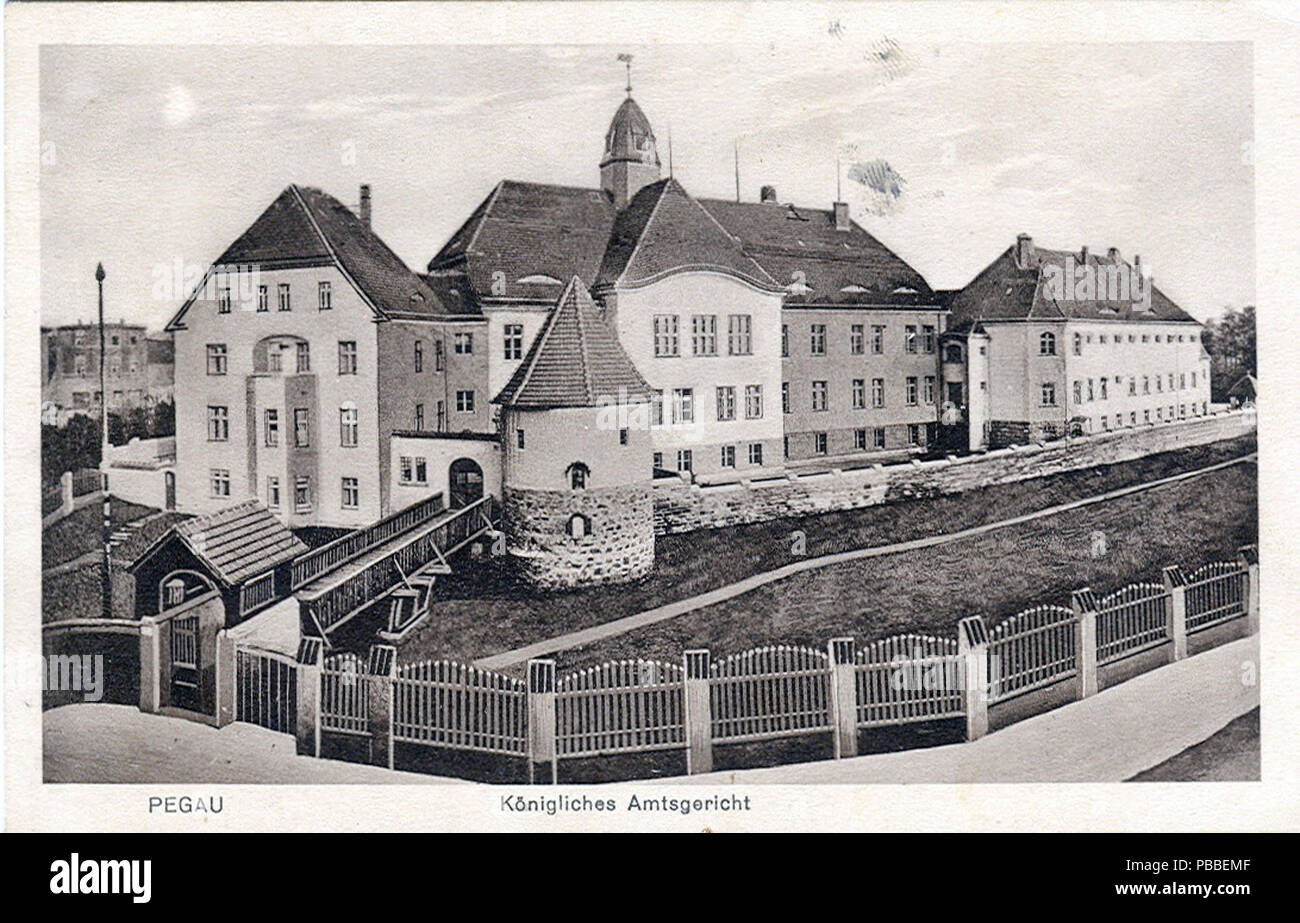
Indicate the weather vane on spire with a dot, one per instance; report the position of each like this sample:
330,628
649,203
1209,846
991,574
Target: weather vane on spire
627,62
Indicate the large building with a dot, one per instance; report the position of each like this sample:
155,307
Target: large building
1047,343
138,368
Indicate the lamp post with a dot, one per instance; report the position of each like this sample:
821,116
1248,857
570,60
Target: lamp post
106,581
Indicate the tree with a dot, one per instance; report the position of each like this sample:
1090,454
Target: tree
164,419
1230,341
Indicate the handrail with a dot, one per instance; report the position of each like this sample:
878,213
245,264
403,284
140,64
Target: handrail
311,564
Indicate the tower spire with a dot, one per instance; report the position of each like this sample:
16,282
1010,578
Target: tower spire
627,62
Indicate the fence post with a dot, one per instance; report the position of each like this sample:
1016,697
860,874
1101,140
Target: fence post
844,696
1249,555
973,645
226,679
381,670
1176,584
310,651
1084,603
150,665
65,491
541,719
698,712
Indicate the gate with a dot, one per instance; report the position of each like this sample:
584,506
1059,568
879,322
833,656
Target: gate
266,689
185,663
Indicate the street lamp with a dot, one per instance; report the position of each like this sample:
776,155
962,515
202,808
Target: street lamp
106,581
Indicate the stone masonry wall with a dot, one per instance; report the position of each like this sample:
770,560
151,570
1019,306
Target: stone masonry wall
620,548
683,507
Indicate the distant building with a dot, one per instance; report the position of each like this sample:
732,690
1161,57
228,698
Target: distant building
1048,343
139,369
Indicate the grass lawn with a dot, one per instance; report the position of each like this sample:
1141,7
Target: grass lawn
78,532
483,610
1231,755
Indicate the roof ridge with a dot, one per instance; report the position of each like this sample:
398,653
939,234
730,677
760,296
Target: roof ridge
582,342
636,248
487,209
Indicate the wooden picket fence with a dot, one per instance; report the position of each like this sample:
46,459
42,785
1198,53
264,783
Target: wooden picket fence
345,694
1216,593
445,704
624,706
908,678
1032,649
770,692
266,689
1132,620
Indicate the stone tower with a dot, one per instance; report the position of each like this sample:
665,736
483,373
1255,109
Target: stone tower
631,158
576,466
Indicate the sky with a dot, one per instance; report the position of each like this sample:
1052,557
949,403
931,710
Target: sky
155,158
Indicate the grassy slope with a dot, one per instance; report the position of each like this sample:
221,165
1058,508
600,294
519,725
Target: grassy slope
994,575
480,613
79,532
1231,755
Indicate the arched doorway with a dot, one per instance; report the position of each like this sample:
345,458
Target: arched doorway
465,479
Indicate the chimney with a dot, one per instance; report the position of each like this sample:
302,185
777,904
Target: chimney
1024,250
1112,254
767,194
365,204
841,215
1083,257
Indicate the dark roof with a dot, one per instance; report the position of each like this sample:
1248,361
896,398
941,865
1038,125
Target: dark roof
789,239
308,227
575,361
1006,290
525,230
663,230
630,136
236,543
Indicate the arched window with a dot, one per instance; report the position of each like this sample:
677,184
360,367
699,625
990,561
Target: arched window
1047,344
578,474
579,526
953,353
419,356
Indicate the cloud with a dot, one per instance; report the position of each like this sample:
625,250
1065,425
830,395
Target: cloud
178,105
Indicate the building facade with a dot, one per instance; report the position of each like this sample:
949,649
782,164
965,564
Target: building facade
138,368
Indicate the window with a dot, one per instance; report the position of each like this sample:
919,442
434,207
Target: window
726,403
911,391
579,526
819,399
351,493
785,340
1105,423
952,353
1146,416
1101,338
1133,418
753,402
878,437
263,302
1157,338
219,481
857,339
419,356
465,401
877,392
1193,379
756,453
463,343
302,493
282,296
1146,384
622,436
216,358
439,356
1182,380
909,338
819,443
514,341
785,446
859,393
519,438
1119,420
1090,391
859,439
657,461
347,357
913,434
223,303
785,397
1049,394
348,426
1104,395
301,428
877,339
271,428
412,470
218,424
1132,385
440,424
274,360
1160,383
657,408
665,335
419,418
323,296
927,395
1047,344
927,338
704,335
683,459
273,493
304,357
817,339
683,405
740,340
578,474
728,456
1171,381
1078,344
1078,392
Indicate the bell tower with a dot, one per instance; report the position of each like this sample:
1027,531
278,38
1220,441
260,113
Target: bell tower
631,159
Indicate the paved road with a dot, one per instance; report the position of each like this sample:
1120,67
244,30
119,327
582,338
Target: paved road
1109,737
721,594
